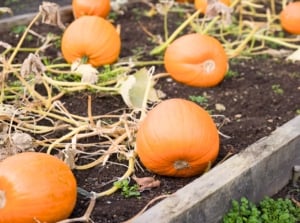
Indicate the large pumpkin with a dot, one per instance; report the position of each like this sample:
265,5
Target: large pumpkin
202,4
92,38
91,7
177,138
35,187
290,18
196,60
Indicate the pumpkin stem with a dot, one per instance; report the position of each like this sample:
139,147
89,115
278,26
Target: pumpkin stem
2,199
181,164
84,60
208,66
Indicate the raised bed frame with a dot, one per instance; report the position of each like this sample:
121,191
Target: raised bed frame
262,169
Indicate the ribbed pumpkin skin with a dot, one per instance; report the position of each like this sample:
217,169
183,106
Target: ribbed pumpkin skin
38,188
92,37
177,130
91,7
290,18
202,4
196,60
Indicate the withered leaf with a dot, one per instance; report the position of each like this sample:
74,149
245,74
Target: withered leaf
6,10
146,183
89,74
51,14
22,141
134,89
215,8
33,65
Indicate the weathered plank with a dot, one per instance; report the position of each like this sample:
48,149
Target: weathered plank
260,170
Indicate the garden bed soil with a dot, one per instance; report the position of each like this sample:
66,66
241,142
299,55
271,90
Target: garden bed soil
261,95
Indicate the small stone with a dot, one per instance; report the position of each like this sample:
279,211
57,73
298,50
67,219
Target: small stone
237,116
220,107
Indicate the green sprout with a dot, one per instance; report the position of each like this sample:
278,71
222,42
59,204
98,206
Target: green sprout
202,100
18,29
127,190
277,89
231,74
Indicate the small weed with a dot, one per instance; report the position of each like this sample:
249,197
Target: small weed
281,34
231,74
235,61
277,89
298,111
127,190
18,29
267,211
273,45
107,74
138,13
202,100
67,77
113,16
56,39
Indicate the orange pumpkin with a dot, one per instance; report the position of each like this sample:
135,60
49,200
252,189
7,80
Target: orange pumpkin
177,138
196,60
35,187
93,38
290,18
91,7
202,4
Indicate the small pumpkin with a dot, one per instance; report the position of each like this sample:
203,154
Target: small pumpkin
177,138
35,187
202,4
93,39
91,7
196,60
290,18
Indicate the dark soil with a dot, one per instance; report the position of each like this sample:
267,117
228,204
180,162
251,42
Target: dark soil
262,95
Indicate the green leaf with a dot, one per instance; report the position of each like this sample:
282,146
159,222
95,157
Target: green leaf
127,190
